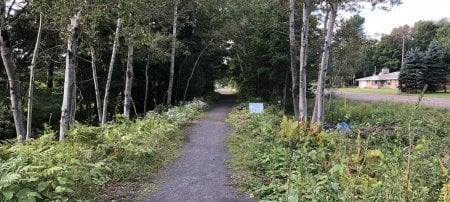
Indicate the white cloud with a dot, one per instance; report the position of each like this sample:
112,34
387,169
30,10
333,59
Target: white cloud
411,11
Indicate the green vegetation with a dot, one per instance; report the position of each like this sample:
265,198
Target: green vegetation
424,68
91,156
278,159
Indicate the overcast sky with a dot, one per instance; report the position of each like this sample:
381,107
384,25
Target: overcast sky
411,11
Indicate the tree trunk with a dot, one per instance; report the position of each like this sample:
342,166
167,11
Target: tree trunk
13,79
285,87
31,84
147,66
50,69
69,77
318,114
98,98
293,57
172,56
193,69
73,101
129,80
324,32
110,71
303,107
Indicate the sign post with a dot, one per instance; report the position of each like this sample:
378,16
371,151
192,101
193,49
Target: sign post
256,108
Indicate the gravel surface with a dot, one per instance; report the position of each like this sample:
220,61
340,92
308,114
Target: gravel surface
201,173
433,102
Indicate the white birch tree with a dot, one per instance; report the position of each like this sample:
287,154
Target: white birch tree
67,108
303,111
172,56
32,74
13,78
110,70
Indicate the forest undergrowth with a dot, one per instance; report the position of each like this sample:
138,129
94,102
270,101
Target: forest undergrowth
393,152
92,157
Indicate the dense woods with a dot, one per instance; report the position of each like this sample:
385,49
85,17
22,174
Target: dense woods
95,59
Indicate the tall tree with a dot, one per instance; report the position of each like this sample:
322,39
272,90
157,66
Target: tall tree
68,107
13,78
303,113
347,56
110,70
172,55
423,33
98,98
318,112
436,67
129,75
412,75
32,74
293,58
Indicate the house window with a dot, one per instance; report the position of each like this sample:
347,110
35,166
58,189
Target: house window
389,82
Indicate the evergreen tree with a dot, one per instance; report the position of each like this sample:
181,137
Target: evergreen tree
436,68
412,76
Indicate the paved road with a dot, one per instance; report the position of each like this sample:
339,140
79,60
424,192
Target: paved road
433,102
201,174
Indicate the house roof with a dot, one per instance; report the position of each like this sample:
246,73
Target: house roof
381,77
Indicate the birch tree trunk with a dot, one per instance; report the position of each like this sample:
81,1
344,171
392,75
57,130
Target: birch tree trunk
31,84
69,77
147,66
73,101
303,107
318,114
110,71
172,56
13,79
129,79
98,98
193,69
293,57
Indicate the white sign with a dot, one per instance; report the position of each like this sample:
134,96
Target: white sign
256,108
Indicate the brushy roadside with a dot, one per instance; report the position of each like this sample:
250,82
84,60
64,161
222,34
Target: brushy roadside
394,153
91,157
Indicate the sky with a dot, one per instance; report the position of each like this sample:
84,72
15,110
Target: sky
381,22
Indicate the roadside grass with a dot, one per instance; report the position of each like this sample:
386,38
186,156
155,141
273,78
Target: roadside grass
389,91
393,153
93,157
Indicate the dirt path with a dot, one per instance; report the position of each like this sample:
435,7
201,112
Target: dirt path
201,174
433,102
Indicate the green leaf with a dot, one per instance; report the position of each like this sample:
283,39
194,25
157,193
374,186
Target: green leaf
60,189
8,195
292,197
42,186
22,194
62,180
34,194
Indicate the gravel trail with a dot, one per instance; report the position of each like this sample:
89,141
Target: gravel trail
200,173
367,97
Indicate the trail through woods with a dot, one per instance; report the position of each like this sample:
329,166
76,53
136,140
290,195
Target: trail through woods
201,173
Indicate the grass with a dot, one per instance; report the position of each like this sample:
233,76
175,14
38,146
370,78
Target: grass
389,91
